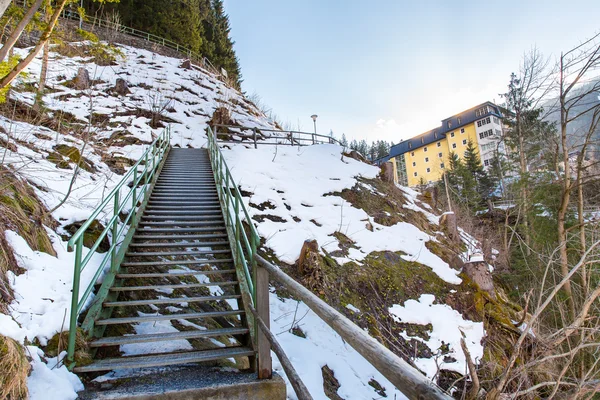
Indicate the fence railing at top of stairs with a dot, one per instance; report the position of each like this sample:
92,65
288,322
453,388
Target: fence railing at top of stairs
138,185
254,273
245,134
185,52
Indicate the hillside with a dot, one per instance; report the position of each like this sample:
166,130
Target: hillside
383,257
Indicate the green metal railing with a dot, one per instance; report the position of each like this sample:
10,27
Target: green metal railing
151,160
245,244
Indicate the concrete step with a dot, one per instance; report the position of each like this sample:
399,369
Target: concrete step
165,359
189,382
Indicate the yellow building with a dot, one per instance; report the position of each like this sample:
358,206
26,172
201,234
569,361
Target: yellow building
423,158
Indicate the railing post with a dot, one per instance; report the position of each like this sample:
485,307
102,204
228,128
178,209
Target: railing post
134,197
254,137
265,365
115,232
74,300
313,138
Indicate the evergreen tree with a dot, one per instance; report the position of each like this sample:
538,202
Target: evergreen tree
344,141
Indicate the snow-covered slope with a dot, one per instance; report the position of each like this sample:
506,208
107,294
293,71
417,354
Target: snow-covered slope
300,185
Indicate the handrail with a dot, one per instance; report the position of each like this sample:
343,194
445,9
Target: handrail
256,281
151,160
245,244
283,137
407,379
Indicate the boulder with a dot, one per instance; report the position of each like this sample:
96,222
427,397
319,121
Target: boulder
186,64
82,80
448,222
387,172
479,272
121,87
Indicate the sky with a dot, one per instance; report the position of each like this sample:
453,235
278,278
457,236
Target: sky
392,69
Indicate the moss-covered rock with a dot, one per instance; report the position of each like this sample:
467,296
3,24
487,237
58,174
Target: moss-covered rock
59,342
73,155
91,235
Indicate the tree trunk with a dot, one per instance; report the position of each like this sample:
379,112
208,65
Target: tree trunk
566,192
3,6
43,75
10,42
7,80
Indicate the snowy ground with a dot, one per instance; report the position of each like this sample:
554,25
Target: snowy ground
286,177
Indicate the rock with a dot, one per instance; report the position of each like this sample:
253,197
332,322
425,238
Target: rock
479,273
82,80
448,222
387,172
186,64
91,234
310,266
121,87
357,156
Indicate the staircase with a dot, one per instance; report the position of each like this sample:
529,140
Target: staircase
175,298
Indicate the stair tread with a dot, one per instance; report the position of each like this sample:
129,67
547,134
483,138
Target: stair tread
175,274
182,262
175,300
168,317
165,359
156,337
174,286
178,253
182,244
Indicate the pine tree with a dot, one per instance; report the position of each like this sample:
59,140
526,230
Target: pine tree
344,141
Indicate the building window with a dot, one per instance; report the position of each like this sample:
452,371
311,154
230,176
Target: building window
462,130
442,165
415,174
428,170
435,134
422,140
485,134
465,141
426,159
496,121
425,149
482,111
498,133
439,144
412,154
466,153
453,145
440,155
486,163
449,124
409,145
414,164
459,120
451,134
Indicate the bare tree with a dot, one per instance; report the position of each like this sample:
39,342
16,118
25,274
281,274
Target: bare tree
574,67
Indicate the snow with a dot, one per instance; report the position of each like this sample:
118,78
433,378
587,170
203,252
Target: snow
42,302
322,346
448,326
49,380
352,308
153,327
279,176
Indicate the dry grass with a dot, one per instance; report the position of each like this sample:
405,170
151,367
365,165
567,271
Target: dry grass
14,369
20,211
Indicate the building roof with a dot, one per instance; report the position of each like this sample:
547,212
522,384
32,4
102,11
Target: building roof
448,125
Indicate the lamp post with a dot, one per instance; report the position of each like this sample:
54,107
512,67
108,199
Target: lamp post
314,118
